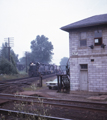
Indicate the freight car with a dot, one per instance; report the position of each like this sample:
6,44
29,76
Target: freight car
36,69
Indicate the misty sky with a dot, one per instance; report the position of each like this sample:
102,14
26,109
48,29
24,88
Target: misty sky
25,19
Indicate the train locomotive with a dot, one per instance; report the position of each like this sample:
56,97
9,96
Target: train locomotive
37,69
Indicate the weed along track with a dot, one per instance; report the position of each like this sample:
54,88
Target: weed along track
54,107
17,85
57,102
14,105
25,115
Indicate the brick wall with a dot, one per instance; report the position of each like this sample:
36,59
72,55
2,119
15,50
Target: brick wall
97,70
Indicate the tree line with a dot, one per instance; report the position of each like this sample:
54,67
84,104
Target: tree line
8,63
41,51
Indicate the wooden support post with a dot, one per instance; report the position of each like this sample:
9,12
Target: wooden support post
58,83
41,80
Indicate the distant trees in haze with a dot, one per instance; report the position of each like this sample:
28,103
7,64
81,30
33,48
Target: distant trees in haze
41,51
64,61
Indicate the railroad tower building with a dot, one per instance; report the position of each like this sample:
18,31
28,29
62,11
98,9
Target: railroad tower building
88,54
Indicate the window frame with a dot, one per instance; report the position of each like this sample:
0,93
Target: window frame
85,44
83,66
100,42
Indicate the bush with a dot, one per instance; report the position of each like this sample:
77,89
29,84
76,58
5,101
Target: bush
7,67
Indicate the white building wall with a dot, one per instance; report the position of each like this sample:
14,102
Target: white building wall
97,70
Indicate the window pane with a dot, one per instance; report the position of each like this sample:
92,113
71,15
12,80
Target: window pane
83,42
83,66
98,41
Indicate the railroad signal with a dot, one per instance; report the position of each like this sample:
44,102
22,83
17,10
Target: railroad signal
9,44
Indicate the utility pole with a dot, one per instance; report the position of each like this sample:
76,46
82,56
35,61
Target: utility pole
9,49
9,45
0,53
26,60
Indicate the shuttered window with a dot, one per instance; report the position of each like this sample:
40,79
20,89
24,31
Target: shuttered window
98,37
83,39
83,43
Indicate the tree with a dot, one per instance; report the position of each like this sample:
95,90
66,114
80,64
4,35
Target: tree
4,51
64,61
41,49
6,66
5,54
13,57
28,58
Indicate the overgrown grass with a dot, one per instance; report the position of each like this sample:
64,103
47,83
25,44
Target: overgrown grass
34,87
14,76
39,109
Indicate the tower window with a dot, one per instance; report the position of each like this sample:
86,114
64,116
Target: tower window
83,43
97,41
98,38
83,39
83,66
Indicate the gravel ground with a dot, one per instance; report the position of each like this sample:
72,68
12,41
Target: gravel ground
55,111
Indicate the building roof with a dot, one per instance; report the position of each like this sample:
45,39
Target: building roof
91,21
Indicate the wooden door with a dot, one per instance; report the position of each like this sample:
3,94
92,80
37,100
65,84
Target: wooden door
83,80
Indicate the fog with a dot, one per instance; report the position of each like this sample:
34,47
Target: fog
25,19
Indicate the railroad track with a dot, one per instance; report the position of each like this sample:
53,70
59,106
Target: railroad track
61,107
92,106
31,115
17,84
20,79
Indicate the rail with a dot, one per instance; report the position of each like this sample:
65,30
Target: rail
57,102
15,113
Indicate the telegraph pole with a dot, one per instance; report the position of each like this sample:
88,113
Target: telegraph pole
9,49
0,53
26,60
9,45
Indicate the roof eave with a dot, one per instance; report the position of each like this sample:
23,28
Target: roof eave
68,28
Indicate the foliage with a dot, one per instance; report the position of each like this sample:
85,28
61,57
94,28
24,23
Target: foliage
41,49
4,51
13,76
29,59
64,61
39,109
7,67
13,57
2,117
